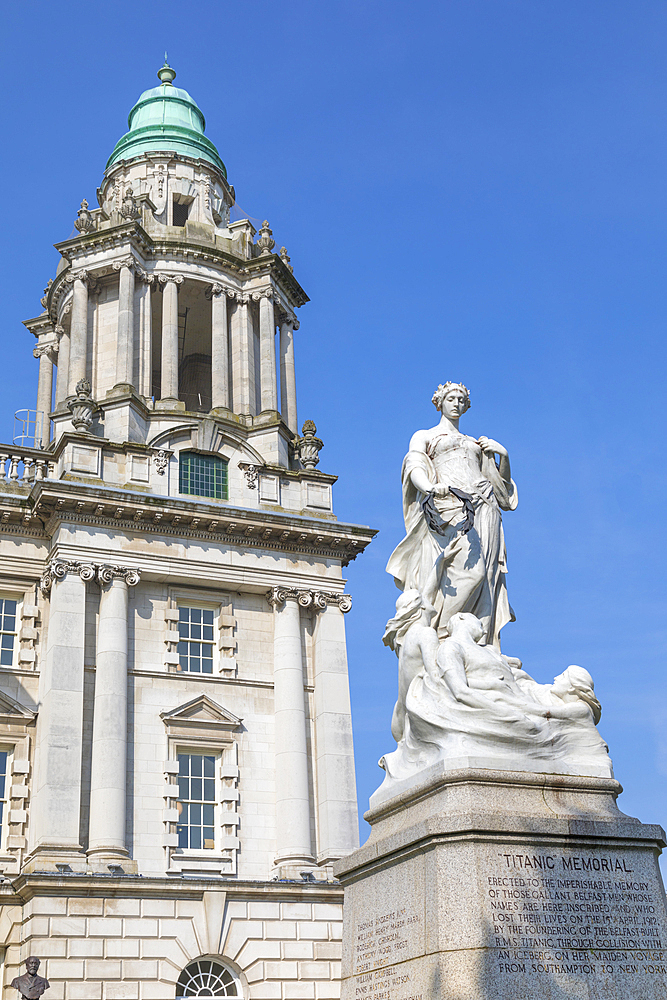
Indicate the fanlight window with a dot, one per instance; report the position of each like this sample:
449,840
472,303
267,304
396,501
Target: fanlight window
205,978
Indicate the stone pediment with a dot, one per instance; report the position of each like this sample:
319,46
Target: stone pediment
11,713
202,713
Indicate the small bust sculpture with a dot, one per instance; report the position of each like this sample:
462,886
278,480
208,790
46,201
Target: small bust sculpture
30,985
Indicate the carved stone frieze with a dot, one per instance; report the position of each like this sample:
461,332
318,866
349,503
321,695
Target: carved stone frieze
317,599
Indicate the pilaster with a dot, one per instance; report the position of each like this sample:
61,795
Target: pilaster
57,795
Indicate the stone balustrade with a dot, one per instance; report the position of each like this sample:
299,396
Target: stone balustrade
24,465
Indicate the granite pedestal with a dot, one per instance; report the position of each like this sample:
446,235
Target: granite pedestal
504,885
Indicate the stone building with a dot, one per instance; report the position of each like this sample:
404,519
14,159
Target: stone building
175,733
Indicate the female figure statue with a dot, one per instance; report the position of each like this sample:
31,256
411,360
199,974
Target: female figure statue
454,488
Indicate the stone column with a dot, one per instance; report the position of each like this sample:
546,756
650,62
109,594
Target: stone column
145,351
338,825
267,352
106,829
125,340
45,353
243,358
293,845
78,333
55,808
287,373
63,367
169,376
219,348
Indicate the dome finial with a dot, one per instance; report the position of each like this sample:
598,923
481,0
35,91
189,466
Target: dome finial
166,74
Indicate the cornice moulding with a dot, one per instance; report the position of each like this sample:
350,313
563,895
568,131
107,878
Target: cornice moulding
147,246
23,888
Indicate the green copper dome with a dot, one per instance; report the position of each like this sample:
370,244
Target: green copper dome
166,120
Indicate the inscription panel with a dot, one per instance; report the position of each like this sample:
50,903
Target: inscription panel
575,914
492,923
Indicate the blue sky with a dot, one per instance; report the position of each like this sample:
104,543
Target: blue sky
469,190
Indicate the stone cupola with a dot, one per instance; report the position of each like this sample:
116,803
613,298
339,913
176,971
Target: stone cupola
168,322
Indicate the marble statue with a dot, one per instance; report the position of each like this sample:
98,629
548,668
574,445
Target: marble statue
415,643
476,707
454,488
30,985
460,699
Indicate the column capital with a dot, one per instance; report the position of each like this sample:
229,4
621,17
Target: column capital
48,349
287,319
319,600
263,293
128,262
106,573
177,279
83,275
142,275
58,570
212,291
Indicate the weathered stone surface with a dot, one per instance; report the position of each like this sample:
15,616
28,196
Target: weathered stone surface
504,886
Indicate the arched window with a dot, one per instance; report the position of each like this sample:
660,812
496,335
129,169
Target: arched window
202,475
206,978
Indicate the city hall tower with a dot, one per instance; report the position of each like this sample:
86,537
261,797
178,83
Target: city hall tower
175,732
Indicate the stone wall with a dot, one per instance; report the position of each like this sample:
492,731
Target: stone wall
283,941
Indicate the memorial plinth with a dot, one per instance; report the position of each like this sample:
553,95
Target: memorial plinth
504,885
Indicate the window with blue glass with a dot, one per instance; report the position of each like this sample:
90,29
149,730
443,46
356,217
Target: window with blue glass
195,640
7,631
196,801
202,475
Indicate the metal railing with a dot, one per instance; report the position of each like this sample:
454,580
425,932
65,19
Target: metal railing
29,428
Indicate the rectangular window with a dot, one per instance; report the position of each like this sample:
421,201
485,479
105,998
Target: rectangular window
196,801
195,645
7,631
202,476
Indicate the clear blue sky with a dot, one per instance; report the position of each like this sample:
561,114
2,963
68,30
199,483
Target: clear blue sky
469,190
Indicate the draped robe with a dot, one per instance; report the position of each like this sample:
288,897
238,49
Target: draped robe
472,567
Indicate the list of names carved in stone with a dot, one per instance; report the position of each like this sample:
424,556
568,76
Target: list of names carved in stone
381,942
